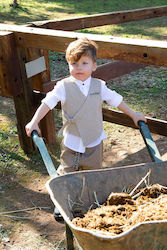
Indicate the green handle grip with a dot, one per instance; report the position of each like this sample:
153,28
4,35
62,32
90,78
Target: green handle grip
44,153
151,146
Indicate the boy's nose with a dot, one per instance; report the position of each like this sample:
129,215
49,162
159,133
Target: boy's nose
78,65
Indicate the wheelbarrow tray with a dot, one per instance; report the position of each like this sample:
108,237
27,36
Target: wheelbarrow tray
147,235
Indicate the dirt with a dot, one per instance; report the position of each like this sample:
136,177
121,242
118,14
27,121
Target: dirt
40,230
122,211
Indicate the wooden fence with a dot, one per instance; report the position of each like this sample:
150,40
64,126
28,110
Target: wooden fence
24,47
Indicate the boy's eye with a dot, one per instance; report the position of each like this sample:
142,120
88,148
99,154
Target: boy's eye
73,63
84,62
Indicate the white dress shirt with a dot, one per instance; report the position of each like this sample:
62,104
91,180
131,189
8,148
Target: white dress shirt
58,94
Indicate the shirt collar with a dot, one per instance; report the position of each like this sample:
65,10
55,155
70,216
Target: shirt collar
78,82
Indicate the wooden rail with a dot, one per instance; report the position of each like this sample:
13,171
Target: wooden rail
126,49
156,126
10,84
102,19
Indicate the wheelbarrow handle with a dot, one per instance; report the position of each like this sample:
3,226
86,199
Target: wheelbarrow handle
38,141
151,146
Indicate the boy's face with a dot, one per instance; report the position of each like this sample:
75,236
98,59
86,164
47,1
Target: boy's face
83,68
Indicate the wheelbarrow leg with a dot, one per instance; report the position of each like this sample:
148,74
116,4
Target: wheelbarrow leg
69,238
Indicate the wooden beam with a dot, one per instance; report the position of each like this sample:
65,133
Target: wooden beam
90,21
155,125
47,124
124,49
115,69
10,78
24,105
48,86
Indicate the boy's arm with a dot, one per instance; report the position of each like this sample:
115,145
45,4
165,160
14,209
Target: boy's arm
39,114
136,116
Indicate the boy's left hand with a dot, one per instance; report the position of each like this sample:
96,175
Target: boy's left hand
138,117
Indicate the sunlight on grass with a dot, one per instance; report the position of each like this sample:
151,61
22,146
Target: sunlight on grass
6,122
145,90
144,29
29,11
35,10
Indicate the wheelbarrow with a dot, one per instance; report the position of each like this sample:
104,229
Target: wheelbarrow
80,187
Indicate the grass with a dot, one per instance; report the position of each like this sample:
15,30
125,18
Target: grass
145,90
154,29
4,234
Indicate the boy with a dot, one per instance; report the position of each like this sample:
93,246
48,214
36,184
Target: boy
81,98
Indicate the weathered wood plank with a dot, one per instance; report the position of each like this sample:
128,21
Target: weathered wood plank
155,125
48,86
102,19
10,83
124,49
47,124
24,105
115,69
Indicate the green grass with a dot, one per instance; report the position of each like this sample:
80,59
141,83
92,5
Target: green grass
13,161
145,90
154,29
4,234
29,11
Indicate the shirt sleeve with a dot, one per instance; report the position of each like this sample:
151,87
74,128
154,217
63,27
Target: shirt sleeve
110,96
54,96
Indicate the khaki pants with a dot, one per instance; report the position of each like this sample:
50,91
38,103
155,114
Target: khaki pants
72,161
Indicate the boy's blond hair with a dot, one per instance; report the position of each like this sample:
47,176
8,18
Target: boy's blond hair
81,47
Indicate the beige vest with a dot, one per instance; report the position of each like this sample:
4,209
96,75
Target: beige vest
82,116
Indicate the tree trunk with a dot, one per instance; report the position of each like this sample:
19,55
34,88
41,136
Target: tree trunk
14,4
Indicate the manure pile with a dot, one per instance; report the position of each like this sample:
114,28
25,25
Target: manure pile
122,211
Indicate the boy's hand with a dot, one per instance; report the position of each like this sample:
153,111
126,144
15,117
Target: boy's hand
39,114
137,116
30,127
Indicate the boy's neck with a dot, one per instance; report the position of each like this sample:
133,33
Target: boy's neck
75,79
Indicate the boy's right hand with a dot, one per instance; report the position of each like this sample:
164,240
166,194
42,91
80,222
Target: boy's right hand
30,127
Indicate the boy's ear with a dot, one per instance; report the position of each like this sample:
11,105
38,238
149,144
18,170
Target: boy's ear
94,66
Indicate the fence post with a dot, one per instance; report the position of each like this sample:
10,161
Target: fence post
47,125
13,85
